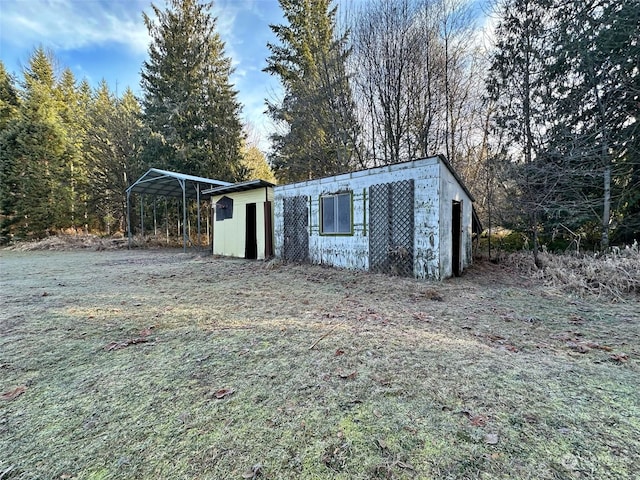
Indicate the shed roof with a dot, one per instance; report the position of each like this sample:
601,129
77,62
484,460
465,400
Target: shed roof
170,184
384,168
238,187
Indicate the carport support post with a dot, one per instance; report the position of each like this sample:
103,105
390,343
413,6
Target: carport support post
142,216
166,218
129,219
198,200
155,221
184,216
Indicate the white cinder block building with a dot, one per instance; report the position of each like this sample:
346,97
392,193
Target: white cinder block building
413,219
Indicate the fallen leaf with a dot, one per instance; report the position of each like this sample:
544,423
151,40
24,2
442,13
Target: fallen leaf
478,420
578,347
491,438
422,316
224,392
13,394
348,376
126,343
576,319
495,337
384,381
145,332
598,346
619,357
339,352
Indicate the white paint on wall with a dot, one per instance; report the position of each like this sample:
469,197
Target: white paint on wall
435,187
451,191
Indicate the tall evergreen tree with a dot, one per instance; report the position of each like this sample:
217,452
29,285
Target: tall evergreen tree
9,112
34,149
73,116
114,147
9,100
189,103
318,128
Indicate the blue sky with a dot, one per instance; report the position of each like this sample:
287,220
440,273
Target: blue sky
107,39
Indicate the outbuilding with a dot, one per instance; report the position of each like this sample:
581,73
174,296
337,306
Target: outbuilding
242,219
412,219
163,183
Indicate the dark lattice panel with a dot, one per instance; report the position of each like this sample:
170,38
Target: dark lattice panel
296,234
391,227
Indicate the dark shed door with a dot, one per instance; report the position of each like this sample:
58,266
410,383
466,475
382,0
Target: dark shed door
456,236
251,237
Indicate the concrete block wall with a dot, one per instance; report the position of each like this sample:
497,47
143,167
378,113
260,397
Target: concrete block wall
352,251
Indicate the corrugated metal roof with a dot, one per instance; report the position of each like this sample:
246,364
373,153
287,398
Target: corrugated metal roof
238,187
169,184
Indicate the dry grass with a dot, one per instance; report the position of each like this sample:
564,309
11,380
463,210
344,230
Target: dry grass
158,364
614,275
71,242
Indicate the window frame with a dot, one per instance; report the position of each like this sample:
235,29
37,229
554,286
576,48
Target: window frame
224,208
336,213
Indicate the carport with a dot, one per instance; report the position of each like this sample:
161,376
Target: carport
163,183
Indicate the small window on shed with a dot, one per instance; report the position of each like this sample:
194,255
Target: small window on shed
335,214
224,209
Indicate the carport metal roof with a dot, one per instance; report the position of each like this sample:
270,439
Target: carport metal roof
164,183
238,187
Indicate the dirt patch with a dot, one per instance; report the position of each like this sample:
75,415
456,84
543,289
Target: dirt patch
158,364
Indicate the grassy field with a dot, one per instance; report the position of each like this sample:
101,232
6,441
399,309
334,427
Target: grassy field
158,364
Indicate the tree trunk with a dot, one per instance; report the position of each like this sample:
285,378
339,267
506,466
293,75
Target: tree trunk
606,213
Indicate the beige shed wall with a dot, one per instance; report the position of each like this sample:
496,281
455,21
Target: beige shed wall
229,234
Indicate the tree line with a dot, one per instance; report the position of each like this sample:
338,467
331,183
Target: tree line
539,117
68,151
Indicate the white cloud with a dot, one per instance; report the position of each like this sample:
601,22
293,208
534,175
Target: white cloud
68,27
72,24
